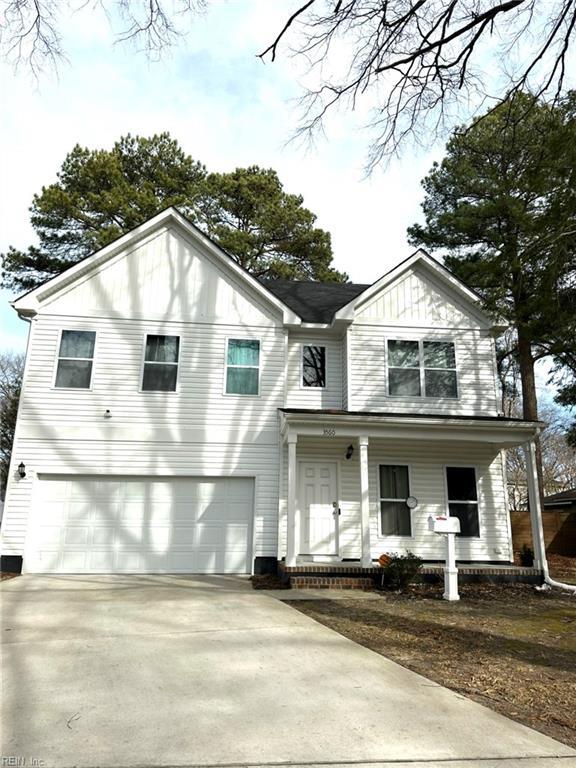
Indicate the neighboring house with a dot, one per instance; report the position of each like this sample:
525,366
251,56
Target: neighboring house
178,415
565,501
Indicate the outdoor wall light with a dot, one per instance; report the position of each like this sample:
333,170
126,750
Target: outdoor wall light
349,451
22,469
107,414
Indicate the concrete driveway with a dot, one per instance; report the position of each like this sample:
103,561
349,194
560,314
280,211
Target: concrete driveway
178,671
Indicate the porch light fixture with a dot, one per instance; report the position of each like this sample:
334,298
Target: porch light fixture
22,469
349,451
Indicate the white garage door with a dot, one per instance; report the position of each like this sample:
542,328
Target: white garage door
135,525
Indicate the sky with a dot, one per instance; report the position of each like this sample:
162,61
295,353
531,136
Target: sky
225,107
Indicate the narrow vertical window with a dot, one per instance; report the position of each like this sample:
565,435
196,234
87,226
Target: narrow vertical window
403,368
463,498
75,358
440,369
161,363
394,490
243,367
313,366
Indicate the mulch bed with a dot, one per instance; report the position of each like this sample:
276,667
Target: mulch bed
5,575
507,646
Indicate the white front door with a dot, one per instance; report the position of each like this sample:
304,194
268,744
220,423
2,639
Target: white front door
319,508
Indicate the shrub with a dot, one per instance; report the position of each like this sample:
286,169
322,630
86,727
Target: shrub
401,570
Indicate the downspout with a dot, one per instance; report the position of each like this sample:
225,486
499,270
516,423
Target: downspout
540,559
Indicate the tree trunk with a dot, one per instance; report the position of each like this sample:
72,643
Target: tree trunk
529,398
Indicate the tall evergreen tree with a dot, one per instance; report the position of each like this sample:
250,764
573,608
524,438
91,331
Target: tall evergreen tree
101,194
268,231
502,206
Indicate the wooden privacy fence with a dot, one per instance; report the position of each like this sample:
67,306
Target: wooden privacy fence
559,531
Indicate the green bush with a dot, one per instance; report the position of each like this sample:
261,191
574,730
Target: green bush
401,570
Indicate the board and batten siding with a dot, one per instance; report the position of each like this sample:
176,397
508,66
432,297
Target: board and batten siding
426,460
298,396
417,307
197,430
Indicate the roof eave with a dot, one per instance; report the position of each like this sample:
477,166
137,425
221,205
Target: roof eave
27,304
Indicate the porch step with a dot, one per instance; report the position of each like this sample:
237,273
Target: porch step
331,582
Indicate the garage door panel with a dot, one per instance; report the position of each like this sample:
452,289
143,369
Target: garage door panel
187,525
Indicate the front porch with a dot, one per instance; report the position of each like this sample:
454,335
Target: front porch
335,519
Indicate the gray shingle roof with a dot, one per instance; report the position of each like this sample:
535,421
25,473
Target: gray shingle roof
564,497
314,302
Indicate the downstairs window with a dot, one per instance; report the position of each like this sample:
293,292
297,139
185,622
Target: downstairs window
463,499
395,517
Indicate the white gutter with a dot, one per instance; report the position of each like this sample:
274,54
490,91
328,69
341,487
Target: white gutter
540,559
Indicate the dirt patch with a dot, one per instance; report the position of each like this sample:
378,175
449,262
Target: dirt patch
508,647
5,575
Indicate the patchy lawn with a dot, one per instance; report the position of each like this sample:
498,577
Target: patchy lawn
508,647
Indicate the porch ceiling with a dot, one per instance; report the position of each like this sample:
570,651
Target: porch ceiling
506,433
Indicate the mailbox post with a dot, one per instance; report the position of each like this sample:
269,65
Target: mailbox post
449,527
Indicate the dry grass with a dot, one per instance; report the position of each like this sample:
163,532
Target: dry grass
508,647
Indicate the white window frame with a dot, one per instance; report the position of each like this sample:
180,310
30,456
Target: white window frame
241,338
448,500
381,534
144,362
58,358
422,368
313,389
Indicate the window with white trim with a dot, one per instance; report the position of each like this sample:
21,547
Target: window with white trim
243,367
463,499
75,359
395,515
313,366
422,368
161,355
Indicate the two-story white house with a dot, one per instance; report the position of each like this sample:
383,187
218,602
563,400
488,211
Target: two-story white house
178,415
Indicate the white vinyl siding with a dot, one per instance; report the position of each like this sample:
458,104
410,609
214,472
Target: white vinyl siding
197,431
329,396
427,460
477,394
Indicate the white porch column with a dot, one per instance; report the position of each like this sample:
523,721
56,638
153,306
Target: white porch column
366,560
292,439
534,504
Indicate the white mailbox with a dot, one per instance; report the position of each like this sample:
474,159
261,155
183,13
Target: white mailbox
446,525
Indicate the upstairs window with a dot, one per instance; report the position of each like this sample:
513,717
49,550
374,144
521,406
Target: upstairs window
313,366
75,358
404,368
160,363
463,498
440,369
243,367
395,518
422,368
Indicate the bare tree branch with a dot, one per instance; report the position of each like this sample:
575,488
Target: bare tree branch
416,64
30,34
